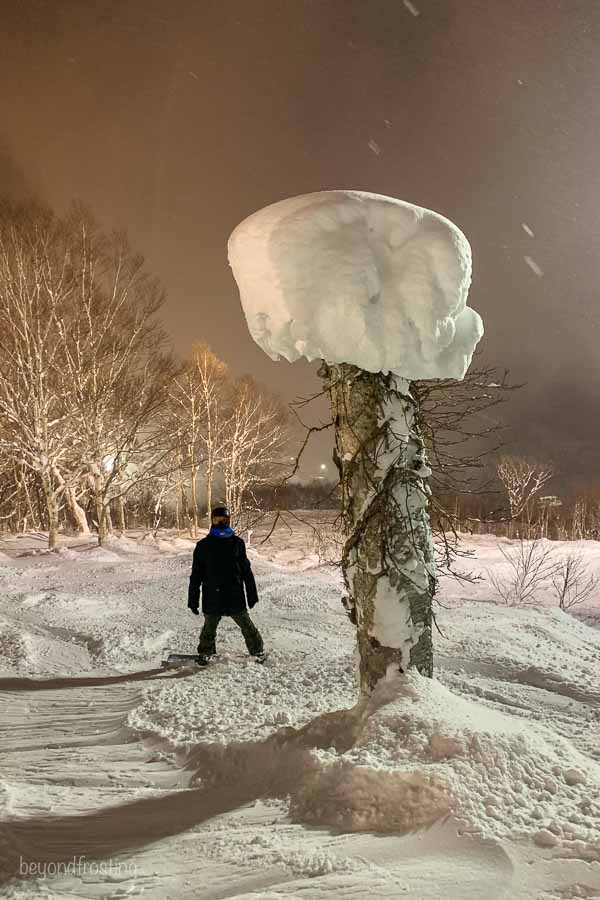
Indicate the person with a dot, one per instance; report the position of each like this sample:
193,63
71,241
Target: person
221,568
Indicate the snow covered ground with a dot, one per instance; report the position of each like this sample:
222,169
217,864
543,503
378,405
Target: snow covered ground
273,782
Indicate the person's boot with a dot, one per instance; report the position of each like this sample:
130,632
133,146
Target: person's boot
202,660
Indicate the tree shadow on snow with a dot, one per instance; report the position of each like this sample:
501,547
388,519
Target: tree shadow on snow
53,684
232,776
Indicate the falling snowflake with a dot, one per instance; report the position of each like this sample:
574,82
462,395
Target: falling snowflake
527,229
374,146
533,266
411,8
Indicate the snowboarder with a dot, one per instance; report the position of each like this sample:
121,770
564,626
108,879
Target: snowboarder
222,569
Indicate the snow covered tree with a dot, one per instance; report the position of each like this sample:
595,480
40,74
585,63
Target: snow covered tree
214,385
522,479
377,289
116,362
187,412
255,435
36,288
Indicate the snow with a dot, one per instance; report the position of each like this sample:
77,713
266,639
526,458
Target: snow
527,229
411,8
277,780
535,268
392,624
360,278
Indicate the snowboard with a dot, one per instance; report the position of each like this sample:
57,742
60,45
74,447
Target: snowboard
181,659
191,659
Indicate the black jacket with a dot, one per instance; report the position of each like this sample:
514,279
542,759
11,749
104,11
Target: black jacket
222,569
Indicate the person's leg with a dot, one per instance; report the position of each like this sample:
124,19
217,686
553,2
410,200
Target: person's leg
254,641
206,645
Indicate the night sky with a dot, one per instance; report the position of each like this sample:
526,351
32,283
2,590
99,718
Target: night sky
175,120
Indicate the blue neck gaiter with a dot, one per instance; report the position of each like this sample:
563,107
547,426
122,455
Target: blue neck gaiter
221,532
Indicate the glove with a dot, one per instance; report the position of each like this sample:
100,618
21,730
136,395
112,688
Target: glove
194,609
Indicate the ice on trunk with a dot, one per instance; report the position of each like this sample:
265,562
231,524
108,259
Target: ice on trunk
353,277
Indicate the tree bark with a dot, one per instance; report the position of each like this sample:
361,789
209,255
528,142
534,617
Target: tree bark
121,509
209,478
194,479
51,509
98,484
77,511
388,559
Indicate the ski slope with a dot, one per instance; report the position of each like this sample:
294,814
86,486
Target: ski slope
273,781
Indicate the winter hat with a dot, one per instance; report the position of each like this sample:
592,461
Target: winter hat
220,511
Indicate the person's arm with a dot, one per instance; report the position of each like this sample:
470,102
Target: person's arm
196,581
248,577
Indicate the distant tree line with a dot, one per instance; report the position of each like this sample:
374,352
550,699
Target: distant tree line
524,499
101,426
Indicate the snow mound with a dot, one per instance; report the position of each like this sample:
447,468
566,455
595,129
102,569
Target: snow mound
360,278
30,649
541,647
240,701
507,777
128,547
98,554
358,798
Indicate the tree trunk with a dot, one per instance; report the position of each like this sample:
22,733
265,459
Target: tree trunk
194,476
177,505
77,512
209,477
183,503
388,558
51,509
121,510
98,483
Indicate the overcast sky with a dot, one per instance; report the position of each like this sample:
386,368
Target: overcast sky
175,120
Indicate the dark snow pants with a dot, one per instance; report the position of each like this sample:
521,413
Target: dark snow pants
251,634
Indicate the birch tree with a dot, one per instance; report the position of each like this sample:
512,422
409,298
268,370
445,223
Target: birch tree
377,289
188,420
255,435
36,424
199,399
214,381
522,479
118,364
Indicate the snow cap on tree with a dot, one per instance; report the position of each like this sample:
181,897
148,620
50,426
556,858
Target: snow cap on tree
361,278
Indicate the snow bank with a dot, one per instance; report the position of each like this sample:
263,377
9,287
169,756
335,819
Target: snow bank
507,778
29,649
354,277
